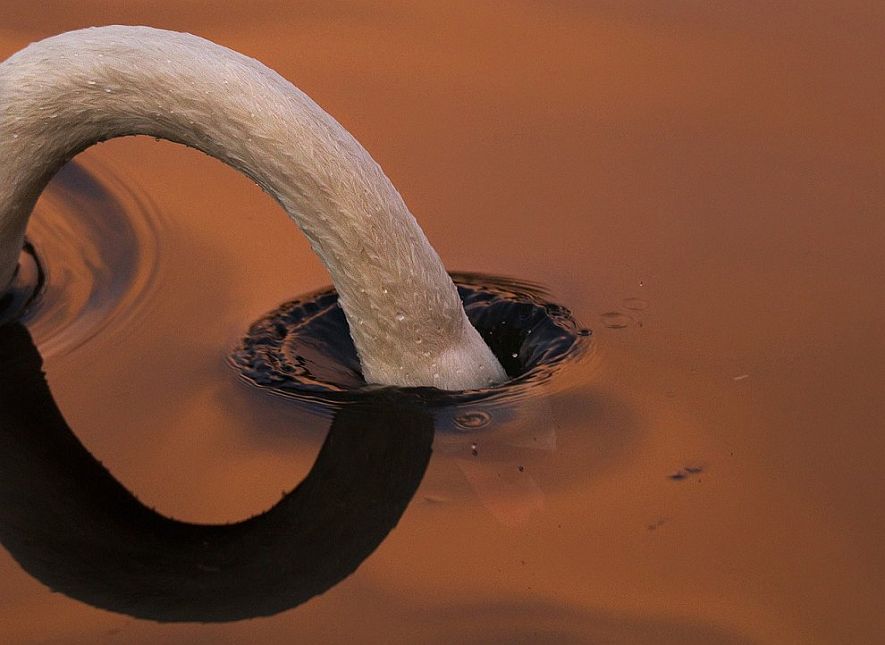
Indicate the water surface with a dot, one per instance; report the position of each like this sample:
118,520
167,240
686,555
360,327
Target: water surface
702,186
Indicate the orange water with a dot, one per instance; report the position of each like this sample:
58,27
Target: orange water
701,185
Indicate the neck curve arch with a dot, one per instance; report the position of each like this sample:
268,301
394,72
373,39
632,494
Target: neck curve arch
63,94
74,527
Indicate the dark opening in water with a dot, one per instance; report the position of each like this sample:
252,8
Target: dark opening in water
303,348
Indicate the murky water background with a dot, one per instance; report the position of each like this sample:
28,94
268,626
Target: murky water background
702,186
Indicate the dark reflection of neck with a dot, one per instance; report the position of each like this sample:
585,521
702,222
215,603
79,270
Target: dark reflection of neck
71,525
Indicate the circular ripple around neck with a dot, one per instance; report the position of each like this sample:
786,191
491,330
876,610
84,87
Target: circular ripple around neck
303,348
96,241
26,288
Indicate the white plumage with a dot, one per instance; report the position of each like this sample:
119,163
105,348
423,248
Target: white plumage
63,94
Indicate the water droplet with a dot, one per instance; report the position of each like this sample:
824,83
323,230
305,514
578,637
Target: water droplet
521,468
473,450
108,90
641,283
615,320
473,420
514,355
636,304
400,316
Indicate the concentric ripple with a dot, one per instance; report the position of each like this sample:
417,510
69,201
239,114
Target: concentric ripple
95,242
303,348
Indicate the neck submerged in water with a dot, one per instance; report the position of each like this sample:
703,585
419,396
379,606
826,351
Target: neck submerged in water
62,95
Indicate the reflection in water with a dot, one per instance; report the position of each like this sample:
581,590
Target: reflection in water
96,239
72,525
721,162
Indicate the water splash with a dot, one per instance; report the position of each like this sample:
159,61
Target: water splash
303,349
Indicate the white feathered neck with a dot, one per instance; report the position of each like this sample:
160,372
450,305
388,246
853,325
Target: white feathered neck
63,94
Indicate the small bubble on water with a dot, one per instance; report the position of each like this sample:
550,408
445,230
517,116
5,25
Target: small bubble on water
521,468
636,304
91,82
399,315
473,450
473,420
514,355
584,332
615,320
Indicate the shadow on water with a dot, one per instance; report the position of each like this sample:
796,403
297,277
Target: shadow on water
70,524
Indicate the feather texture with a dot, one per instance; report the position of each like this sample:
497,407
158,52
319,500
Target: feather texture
63,94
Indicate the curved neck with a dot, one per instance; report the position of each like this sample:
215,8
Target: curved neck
61,95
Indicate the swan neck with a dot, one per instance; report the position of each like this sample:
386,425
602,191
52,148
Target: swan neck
64,94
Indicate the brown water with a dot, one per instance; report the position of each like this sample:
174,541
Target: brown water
701,185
